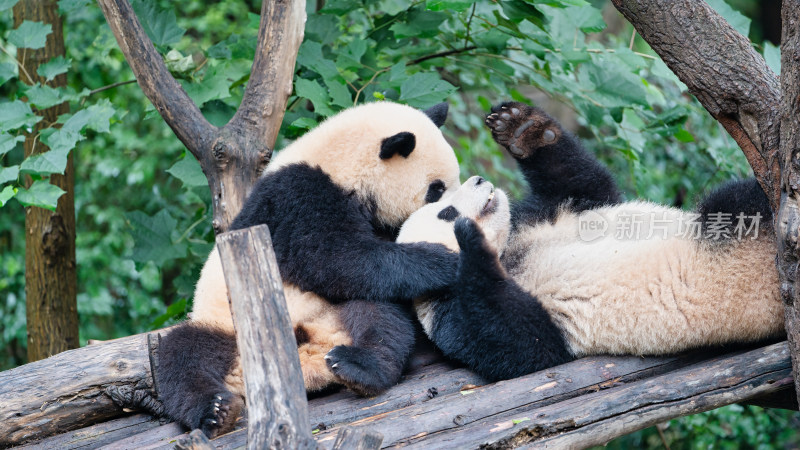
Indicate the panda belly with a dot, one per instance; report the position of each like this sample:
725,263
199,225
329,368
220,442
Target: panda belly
316,323
647,296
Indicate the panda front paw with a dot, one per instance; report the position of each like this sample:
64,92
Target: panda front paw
358,369
220,414
468,234
522,129
477,260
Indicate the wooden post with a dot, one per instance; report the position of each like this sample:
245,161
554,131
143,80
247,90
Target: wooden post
277,410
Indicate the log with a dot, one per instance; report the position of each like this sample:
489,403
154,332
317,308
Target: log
68,391
277,411
546,387
195,440
357,439
595,419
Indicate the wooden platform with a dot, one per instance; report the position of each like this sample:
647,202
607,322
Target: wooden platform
437,405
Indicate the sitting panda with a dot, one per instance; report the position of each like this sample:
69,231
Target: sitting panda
334,201
549,280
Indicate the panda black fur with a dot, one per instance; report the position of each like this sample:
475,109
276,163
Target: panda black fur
531,294
333,201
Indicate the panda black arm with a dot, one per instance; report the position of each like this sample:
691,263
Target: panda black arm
489,322
559,171
325,241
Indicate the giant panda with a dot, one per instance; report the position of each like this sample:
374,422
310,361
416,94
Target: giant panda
549,280
334,201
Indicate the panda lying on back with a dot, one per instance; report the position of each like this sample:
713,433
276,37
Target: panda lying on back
550,279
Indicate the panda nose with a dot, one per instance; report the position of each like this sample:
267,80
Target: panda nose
479,181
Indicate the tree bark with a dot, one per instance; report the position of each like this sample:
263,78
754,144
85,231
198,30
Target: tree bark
732,81
50,270
789,215
277,410
721,68
232,157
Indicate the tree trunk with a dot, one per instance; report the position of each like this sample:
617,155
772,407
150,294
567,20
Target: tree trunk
732,81
789,216
50,270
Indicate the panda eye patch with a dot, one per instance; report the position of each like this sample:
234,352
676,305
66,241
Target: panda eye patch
449,214
435,191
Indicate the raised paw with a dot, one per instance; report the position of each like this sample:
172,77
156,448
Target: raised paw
468,234
220,415
359,370
522,129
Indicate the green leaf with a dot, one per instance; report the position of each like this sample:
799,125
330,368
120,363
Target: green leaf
41,194
393,7
178,63
8,142
340,7
772,54
738,21
423,90
215,86
174,310
152,237
451,5
7,4
612,85
54,67
310,55
350,56
519,421
7,72
420,23
7,194
8,174
30,34
189,172
43,97
68,6
684,136
96,117
339,93
305,123
311,90
52,161
17,114
159,24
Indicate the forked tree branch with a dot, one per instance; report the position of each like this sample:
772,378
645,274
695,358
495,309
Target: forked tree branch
232,157
721,68
167,96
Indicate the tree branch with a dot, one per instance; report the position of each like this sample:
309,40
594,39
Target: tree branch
279,37
721,68
168,97
233,157
789,214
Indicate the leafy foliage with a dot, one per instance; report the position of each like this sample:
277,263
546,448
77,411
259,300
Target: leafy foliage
142,202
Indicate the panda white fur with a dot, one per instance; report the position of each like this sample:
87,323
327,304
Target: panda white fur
334,201
552,278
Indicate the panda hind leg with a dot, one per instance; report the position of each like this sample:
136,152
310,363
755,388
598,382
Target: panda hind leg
315,338
197,364
382,339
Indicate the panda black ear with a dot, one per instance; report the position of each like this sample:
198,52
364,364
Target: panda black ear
438,113
402,143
